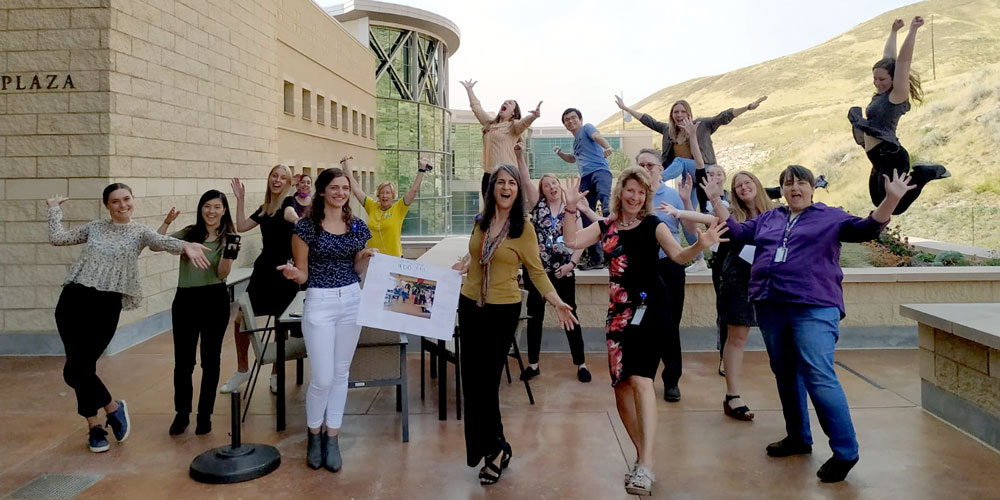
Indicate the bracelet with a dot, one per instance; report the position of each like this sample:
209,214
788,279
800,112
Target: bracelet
569,211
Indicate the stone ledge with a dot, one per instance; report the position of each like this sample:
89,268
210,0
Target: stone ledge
976,322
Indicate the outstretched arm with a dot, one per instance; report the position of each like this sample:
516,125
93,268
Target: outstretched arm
621,105
691,128
889,52
169,219
749,107
566,157
477,108
526,121
243,224
901,78
529,188
684,255
598,138
345,165
422,167
573,237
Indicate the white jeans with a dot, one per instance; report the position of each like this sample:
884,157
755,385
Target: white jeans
329,327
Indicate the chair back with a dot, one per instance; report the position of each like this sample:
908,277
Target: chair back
522,322
248,320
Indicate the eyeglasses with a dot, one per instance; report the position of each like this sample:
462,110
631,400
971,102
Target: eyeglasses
649,165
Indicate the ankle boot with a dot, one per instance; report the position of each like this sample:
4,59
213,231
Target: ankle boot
204,425
332,461
314,450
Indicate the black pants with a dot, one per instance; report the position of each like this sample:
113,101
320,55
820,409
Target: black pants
672,274
566,288
198,312
487,333
887,158
717,261
86,319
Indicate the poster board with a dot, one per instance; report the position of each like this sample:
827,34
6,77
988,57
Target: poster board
406,296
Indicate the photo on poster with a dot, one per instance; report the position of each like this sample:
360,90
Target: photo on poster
410,295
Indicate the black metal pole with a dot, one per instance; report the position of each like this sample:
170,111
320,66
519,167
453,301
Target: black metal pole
237,438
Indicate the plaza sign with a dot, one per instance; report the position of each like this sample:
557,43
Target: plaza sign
36,82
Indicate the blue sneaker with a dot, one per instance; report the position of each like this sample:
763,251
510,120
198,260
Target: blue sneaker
119,422
98,440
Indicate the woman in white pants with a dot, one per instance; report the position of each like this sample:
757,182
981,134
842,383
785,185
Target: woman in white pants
329,251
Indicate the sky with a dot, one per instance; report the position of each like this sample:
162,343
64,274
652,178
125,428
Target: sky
582,53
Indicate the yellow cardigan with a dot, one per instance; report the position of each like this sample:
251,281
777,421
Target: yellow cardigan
507,261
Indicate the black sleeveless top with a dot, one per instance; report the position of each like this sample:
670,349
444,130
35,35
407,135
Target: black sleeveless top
883,116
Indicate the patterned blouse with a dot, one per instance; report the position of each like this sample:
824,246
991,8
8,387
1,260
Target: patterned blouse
331,256
549,230
109,261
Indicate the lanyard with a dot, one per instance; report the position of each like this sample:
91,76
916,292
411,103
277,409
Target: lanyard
788,228
554,217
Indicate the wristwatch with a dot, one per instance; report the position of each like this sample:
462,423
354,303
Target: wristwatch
428,169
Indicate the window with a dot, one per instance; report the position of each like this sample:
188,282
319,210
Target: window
289,98
371,128
333,114
320,110
354,121
306,105
344,117
364,125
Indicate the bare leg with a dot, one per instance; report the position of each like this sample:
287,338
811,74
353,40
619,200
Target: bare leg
732,357
242,346
109,408
625,401
645,404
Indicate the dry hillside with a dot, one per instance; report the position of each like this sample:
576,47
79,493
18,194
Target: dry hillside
804,120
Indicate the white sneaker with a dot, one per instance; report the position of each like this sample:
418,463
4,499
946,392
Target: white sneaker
642,482
630,473
698,266
235,381
274,383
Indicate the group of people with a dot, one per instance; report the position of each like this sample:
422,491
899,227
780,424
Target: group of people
775,267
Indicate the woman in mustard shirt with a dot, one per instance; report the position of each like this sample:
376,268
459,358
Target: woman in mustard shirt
385,217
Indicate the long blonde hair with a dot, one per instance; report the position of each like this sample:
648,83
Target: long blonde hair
273,202
761,203
673,129
541,194
642,177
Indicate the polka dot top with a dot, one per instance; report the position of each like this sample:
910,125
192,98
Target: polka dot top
331,256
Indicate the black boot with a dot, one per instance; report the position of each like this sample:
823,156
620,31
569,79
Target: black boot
314,450
179,424
332,460
204,424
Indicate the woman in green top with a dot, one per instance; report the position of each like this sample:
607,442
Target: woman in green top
201,308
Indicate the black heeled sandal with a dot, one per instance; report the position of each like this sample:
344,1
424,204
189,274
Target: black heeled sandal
491,472
742,413
507,455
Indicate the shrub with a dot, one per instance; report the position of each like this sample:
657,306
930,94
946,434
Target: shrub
891,249
950,258
924,257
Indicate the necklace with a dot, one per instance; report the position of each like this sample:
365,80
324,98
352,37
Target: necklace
629,224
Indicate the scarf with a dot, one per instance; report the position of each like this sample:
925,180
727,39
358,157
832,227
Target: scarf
486,252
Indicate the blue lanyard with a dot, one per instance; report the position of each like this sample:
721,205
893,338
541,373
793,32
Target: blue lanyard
788,228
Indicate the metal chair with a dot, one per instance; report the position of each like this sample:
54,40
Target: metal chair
515,351
260,340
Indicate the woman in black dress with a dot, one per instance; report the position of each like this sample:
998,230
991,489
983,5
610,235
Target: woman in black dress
632,240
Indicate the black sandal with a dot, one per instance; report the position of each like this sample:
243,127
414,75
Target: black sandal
507,455
742,413
490,473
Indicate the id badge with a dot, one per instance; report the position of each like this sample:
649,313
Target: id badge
639,311
781,254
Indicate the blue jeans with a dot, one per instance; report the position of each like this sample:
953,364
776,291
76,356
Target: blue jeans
598,185
800,341
678,168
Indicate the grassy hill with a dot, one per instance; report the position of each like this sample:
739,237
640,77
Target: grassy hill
804,120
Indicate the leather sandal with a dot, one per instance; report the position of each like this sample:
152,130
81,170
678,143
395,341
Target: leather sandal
491,471
508,453
741,413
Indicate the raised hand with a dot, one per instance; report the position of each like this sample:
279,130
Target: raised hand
897,24
685,186
713,234
195,252
171,216
468,84
690,127
621,103
239,191
573,194
56,200
557,150
423,165
667,209
898,186
538,110
916,22
712,190
755,104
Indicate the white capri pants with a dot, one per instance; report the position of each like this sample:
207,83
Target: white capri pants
329,326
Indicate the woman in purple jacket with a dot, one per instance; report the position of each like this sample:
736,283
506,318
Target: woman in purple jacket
795,288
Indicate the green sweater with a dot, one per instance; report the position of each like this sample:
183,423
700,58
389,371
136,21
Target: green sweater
189,276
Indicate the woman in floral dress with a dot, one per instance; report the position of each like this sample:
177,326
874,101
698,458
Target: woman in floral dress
632,239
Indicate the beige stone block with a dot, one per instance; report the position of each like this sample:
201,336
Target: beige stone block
159,187
946,373
68,166
38,145
51,254
159,302
19,40
90,59
18,124
90,18
69,39
27,320
3,190
38,61
116,166
138,185
17,253
17,297
86,187
142,127
132,66
927,365
18,210
994,363
13,167
84,102
51,4
35,189
122,85
219,184
965,291
69,123
78,210
925,336
979,388
90,145
146,167
160,37
146,89
116,124
962,351
38,103
32,275
47,296
38,19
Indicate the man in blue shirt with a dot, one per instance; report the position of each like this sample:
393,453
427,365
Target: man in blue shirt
671,272
590,153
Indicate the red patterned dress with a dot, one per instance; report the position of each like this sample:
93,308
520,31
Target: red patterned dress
632,255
